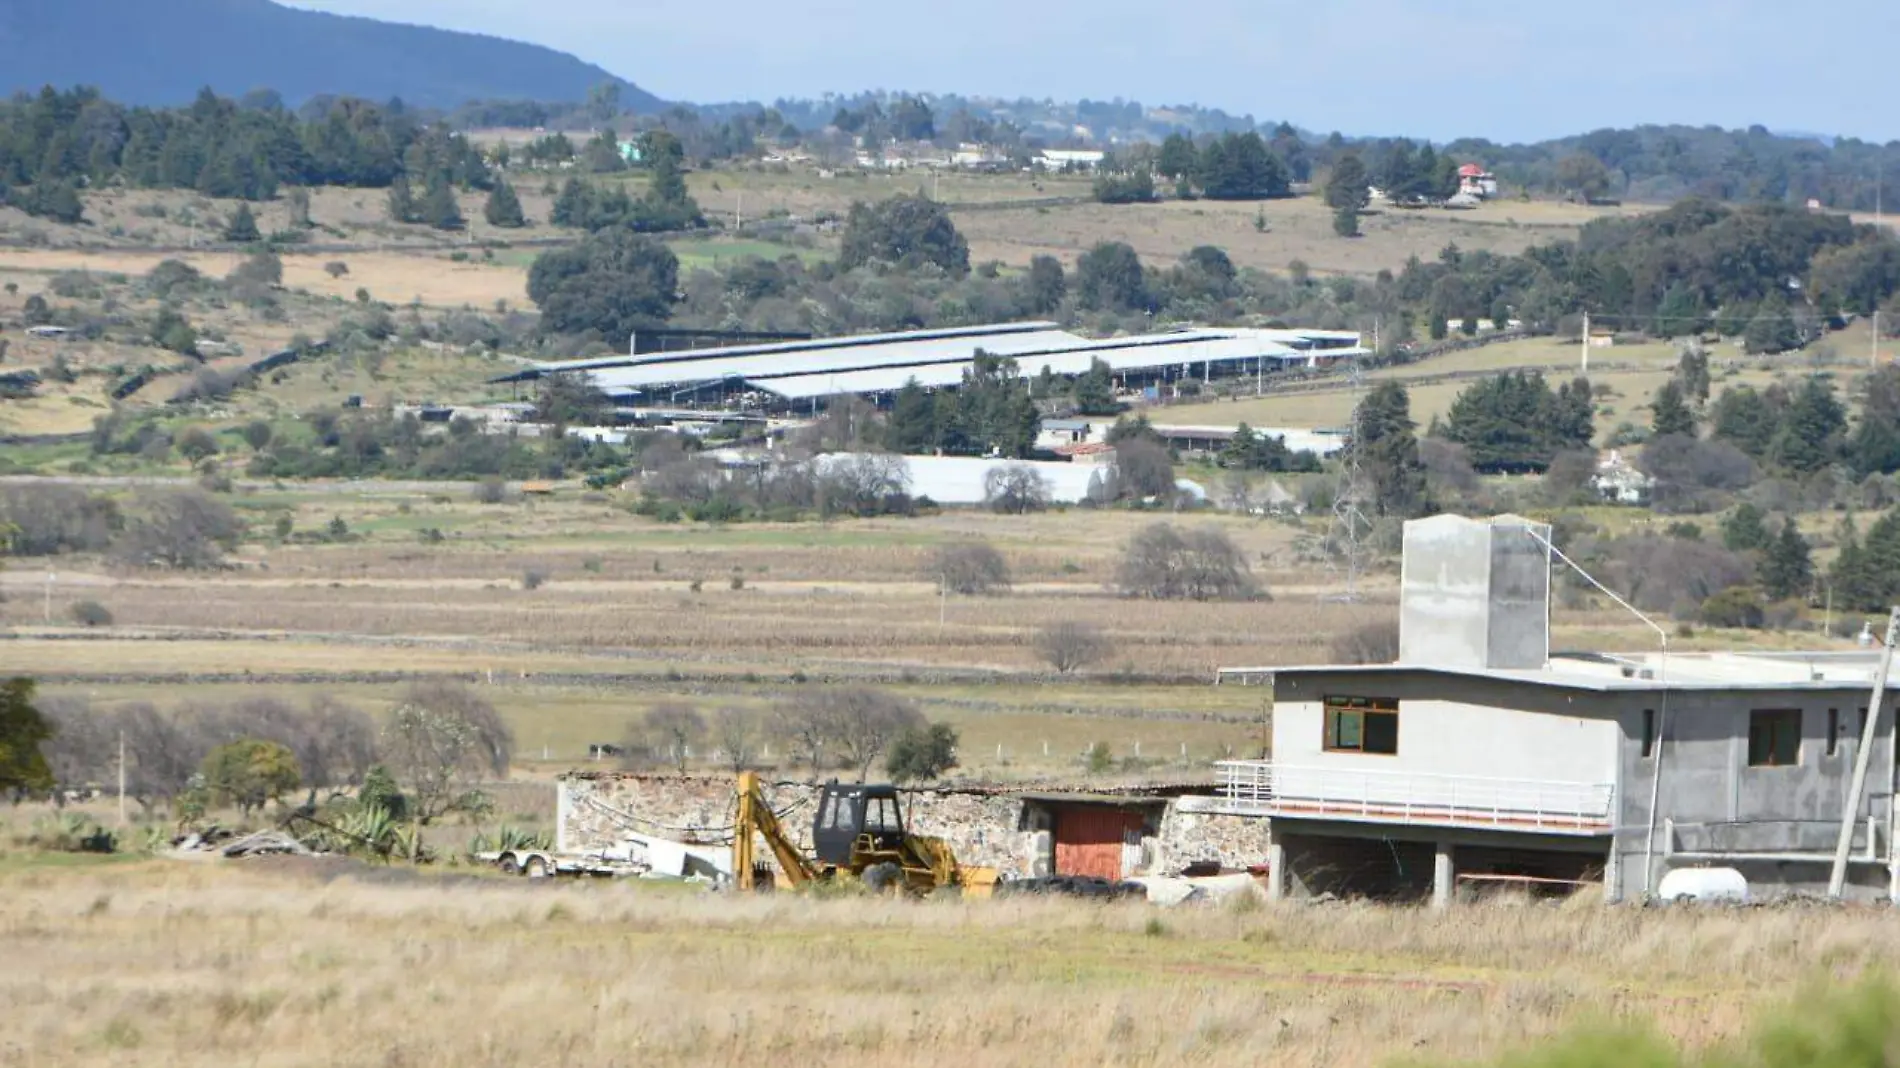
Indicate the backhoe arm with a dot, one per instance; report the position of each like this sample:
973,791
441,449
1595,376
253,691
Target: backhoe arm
756,818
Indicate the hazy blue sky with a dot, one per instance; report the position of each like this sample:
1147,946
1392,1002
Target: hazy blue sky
1438,68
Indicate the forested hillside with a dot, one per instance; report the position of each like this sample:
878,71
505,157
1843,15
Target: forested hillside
162,53
58,142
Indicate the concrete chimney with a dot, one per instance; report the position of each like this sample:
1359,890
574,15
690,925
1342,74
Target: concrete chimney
1475,593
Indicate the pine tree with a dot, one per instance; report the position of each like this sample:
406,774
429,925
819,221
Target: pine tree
402,202
1744,529
241,228
573,206
1095,391
1692,370
58,201
912,427
1346,222
1875,447
1385,439
1809,437
503,209
440,209
1348,189
1669,415
1240,450
1787,570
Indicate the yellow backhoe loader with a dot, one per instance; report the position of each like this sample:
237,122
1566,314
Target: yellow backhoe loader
858,833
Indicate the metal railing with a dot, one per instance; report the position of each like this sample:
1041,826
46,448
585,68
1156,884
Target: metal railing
1267,788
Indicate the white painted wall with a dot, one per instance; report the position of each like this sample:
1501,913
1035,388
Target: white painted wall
1455,731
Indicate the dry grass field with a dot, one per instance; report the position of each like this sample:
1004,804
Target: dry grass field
1299,229
426,277
309,964
616,626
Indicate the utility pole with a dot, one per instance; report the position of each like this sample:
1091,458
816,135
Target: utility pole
1837,880
1586,343
121,778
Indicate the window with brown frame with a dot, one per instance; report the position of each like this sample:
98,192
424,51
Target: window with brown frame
1774,738
1362,725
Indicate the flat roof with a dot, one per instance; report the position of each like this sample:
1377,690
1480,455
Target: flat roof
1605,673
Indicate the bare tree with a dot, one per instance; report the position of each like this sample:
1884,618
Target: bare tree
83,750
1163,563
1143,470
162,754
441,740
1376,642
671,730
857,724
185,529
863,482
849,422
802,725
733,731
971,568
1015,489
1070,645
866,722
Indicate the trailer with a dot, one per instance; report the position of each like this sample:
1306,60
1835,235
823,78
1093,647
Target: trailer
546,863
635,855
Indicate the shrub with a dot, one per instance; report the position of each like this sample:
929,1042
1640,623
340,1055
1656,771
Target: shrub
1070,645
491,490
922,753
1737,606
91,614
250,773
1163,563
971,568
533,579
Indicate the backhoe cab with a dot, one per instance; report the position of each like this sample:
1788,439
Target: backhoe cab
858,831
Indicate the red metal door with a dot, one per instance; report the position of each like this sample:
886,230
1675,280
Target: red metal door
1089,839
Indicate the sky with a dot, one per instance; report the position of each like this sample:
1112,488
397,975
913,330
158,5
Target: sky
1441,69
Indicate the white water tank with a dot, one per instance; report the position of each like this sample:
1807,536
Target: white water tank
1704,886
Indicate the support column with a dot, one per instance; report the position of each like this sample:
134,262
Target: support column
1442,876
1276,872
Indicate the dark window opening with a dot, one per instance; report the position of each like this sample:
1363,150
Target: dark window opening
1362,725
1774,738
1833,731
1649,733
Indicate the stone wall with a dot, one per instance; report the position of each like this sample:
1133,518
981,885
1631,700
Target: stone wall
1193,830
983,827
597,810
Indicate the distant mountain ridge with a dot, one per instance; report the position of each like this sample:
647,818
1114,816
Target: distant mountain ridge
163,51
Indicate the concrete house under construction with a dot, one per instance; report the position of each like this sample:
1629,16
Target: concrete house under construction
1484,755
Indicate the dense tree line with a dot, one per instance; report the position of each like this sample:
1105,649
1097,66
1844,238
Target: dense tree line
1775,275
58,141
1234,166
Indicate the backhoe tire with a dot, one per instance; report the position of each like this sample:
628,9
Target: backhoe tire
879,878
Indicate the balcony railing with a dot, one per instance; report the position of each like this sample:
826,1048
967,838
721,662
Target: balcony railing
1375,796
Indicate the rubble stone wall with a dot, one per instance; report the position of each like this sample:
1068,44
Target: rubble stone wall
1192,831
982,828
596,812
